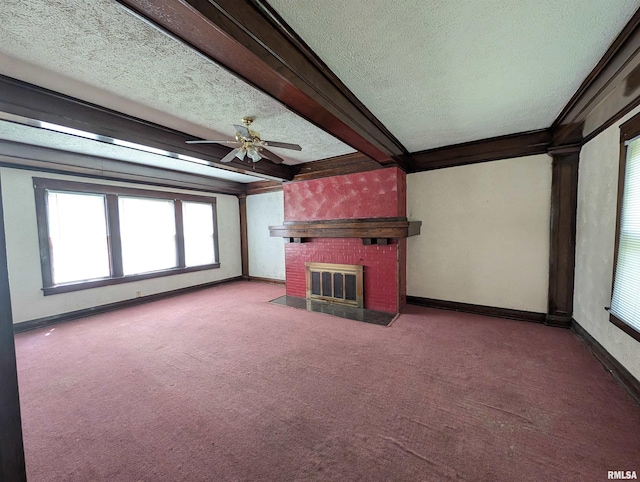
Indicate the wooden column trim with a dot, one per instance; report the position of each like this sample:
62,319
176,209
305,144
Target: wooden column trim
562,249
244,243
12,465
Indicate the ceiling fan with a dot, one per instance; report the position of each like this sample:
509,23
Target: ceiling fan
251,145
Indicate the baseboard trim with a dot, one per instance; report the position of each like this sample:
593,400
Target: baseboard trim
73,315
559,321
268,280
519,315
610,364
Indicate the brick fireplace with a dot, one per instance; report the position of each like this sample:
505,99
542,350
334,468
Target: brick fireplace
352,219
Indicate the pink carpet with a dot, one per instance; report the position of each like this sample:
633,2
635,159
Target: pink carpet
221,385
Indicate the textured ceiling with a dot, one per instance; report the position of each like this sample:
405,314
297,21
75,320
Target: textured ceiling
442,72
433,72
98,51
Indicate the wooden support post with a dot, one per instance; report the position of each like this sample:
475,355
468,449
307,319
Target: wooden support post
12,466
562,253
244,243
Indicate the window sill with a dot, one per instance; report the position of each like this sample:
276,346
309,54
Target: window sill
629,330
85,285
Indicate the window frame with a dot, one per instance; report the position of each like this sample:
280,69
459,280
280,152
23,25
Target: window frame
111,193
628,131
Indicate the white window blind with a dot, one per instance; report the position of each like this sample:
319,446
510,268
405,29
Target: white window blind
625,302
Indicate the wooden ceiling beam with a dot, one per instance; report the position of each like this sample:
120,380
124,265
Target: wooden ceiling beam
335,166
611,90
251,40
502,147
33,102
26,156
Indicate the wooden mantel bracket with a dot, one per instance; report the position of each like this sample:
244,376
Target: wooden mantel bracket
368,228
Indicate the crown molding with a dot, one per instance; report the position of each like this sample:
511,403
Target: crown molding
492,149
262,187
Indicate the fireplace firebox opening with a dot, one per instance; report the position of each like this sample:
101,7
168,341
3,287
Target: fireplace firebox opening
337,283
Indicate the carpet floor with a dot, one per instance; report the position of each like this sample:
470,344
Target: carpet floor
221,385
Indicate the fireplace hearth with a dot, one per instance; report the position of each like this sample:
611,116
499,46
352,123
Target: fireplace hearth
381,318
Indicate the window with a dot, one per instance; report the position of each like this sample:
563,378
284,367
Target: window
93,235
198,233
625,300
147,234
77,237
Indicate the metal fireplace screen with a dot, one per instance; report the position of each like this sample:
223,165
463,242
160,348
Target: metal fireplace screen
338,283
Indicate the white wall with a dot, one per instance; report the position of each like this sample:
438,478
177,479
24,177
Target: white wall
266,254
25,279
485,233
595,239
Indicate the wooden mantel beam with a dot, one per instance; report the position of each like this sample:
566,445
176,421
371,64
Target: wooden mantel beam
393,228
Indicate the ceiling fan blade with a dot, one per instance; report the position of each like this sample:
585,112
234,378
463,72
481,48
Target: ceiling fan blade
283,145
213,142
229,157
271,156
243,131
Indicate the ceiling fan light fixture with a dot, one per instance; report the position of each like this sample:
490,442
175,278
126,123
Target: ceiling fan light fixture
253,154
251,145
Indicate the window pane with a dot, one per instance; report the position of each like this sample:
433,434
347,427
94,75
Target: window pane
148,233
77,236
197,219
625,302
